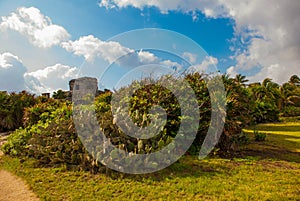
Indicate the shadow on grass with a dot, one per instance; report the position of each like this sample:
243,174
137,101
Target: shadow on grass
186,167
276,147
278,127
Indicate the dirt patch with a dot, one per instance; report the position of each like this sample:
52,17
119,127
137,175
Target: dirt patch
12,187
2,139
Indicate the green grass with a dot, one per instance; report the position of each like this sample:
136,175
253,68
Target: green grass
282,141
268,170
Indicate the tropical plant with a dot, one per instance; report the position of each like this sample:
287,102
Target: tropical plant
60,94
12,109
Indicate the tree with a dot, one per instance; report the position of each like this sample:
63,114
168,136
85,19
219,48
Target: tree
240,79
60,94
294,80
12,109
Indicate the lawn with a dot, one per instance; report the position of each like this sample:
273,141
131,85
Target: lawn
282,141
268,170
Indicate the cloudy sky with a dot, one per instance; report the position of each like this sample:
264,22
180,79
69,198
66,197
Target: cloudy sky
44,44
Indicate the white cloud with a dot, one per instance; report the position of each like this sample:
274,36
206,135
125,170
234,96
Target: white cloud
231,71
11,73
208,65
91,47
276,22
51,78
277,50
147,57
166,5
190,57
38,28
14,76
171,64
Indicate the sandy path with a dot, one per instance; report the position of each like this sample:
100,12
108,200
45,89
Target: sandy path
13,188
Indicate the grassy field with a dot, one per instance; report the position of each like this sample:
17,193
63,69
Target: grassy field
268,170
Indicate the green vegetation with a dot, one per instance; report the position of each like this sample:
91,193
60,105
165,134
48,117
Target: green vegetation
279,136
257,157
253,174
12,107
259,137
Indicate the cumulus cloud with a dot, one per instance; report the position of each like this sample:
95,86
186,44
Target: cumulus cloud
269,29
208,65
172,65
91,47
190,57
51,78
38,28
231,71
165,5
14,76
11,73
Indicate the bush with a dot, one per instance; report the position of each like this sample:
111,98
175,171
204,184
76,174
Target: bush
51,141
12,108
259,137
238,114
50,135
242,139
41,111
291,111
265,112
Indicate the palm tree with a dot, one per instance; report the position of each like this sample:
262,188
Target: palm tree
60,94
240,79
295,80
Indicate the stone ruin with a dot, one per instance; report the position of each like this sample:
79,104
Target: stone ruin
82,86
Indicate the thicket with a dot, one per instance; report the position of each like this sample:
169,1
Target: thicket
49,132
12,109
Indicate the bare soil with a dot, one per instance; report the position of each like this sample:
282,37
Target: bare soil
13,188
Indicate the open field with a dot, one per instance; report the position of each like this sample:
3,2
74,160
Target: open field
268,170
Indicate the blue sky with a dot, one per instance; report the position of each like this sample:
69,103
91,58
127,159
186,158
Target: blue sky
238,37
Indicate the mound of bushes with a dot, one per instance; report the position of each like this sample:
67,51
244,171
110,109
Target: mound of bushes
50,137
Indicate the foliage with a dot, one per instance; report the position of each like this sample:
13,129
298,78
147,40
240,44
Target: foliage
291,111
40,111
60,94
17,143
259,136
49,133
265,112
12,108
239,109
242,139
52,140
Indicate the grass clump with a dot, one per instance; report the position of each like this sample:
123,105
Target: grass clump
259,136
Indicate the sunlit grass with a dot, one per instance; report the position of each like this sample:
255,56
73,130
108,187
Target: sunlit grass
268,170
282,135
190,179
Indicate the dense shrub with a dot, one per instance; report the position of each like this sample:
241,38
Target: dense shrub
40,111
291,111
50,134
51,141
259,136
238,114
264,112
12,109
